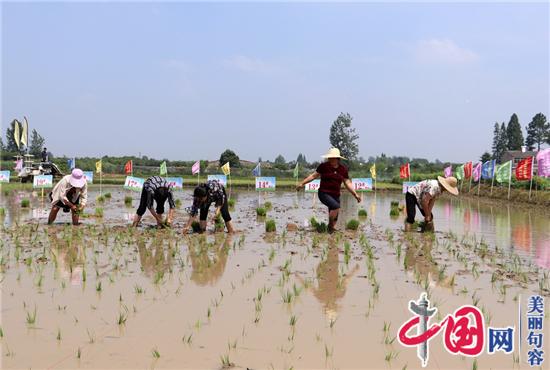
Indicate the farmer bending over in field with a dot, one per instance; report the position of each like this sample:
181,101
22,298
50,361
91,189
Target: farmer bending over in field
69,194
204,195
332,174
423,196
155,189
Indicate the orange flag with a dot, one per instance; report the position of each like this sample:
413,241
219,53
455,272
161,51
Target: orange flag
128,167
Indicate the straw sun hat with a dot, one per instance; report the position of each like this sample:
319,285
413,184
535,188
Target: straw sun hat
333,153
449,183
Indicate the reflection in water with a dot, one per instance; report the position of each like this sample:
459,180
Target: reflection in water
209,259
68,255
331,287
153,258
418,257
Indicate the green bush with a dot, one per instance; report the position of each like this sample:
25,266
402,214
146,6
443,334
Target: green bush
352,224
99,212
362,213
107,195
128,200
270,226
321,227
260,211
25,203
268,206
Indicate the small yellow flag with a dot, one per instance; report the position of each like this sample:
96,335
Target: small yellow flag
373,171
226,169
98,168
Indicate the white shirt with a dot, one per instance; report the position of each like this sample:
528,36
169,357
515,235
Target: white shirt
425,187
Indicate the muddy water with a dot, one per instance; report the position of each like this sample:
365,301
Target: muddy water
109,297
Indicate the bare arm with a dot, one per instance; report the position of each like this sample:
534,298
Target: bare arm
349,185
427,205
315,175
185,229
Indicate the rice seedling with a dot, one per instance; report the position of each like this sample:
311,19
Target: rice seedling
138,289
122,317
2,211
328,352
219,224
293,320
91,336
352,224
178,203
98,212
287,296
31,317
58,337
231,203
261,211
25,203
394,204
474,364
78,353
187,339
155,353
394,212
270,226
313,222
390,356
98,287
107,195
268,206
100,199
362,213
321,227
332,322
226,362
128,200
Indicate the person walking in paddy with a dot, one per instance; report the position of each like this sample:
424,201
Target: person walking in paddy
332,174
423,196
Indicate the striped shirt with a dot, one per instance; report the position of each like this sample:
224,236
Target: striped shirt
152,186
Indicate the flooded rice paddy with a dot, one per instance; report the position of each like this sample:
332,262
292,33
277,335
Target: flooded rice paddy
103,296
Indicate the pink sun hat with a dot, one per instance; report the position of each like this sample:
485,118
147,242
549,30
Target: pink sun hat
77,178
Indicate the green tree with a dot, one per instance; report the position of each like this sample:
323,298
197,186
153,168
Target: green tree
231,157
486,156
280,163
514,134
499,141
11,146
538,132
343,136
37,143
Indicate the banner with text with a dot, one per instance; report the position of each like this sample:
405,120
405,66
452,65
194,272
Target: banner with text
89,176
222,179
4,176
362,184
133,183
42,181
265,183
313,187
175,182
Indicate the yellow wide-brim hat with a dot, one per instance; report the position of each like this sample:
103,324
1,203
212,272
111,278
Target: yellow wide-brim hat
333,153
449,183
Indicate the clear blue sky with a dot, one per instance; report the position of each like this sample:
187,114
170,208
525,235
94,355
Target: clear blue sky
188,80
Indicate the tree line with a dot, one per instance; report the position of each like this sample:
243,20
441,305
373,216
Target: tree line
510,137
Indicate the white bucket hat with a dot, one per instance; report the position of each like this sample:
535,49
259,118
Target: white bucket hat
333,153
77,178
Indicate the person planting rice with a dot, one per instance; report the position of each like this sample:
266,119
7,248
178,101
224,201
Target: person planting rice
204,195
155,189
69,194
332,174
423,196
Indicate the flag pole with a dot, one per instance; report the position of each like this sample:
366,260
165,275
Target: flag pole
510,180
470,185
531,184
493,164
479,180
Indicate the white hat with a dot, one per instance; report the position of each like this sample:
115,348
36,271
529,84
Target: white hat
77,178
333,153
449,183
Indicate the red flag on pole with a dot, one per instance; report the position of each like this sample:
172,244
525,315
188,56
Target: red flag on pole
128,167
467,170
524,169
404,171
